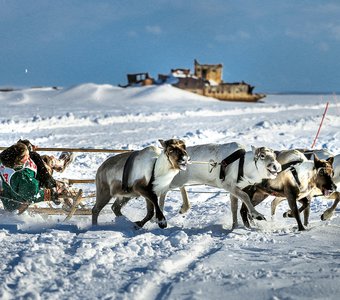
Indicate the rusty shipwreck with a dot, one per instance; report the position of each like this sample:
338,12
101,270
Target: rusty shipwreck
206,81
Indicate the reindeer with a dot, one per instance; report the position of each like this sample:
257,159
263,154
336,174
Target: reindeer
145,173
238,169
332,194
286,158
299,182
323,153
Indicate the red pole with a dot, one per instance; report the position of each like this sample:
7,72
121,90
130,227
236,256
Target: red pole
323,116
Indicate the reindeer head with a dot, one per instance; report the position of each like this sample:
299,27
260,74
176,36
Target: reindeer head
266,163
176,153
324,174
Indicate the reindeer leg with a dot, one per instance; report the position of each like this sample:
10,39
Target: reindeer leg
328,213
103,197
118,205
306,212
244,216
234,208
256,197
151,196
149,214
305,203
305,208
162,201
186,204
291,192
274,204
237,192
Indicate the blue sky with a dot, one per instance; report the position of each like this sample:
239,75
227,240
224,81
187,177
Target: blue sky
278,46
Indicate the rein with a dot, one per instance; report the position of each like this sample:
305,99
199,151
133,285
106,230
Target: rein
295,175
152,179
290,164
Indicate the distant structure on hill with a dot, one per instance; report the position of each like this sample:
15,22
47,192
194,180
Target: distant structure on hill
206,81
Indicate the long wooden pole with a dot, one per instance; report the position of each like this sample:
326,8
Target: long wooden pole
72,181
59,211
77,150
317,134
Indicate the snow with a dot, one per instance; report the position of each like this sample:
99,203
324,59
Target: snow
197,256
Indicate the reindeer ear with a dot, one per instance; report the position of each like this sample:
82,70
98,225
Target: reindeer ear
253,149
162,142
316,160
330,160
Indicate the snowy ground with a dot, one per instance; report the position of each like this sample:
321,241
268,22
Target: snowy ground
197,256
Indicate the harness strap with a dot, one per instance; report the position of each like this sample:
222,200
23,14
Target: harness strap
289,164
152,179
238,154
127,170
295,174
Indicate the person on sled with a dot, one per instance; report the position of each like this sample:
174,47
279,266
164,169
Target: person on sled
46,164
23,182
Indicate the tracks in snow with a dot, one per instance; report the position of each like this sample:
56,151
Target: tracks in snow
158,281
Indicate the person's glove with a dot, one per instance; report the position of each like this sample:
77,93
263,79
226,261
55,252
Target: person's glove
62,188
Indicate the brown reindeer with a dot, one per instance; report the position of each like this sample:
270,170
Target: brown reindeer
299,182
145,173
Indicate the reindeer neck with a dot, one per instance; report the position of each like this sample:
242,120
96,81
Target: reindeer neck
162,165
312,182
251,171
164,172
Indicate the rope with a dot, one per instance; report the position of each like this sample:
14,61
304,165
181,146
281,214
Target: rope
323,117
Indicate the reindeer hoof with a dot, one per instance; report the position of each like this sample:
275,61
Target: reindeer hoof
234,226
326,215
139,224
288,214
247,224
184,209
301,228
162,224
259,217
256,216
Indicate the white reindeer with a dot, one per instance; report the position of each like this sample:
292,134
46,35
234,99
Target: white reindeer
259,163
146,173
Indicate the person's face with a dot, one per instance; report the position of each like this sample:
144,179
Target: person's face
25,157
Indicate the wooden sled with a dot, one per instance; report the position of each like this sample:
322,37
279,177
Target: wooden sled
68,211
60,211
